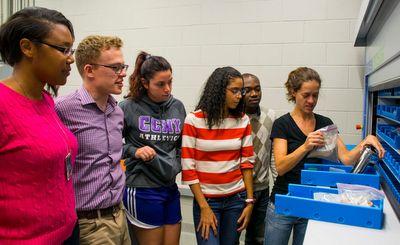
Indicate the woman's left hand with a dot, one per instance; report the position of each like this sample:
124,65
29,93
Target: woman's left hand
244,218
372,140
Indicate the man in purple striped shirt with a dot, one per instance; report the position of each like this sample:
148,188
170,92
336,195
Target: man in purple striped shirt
92,114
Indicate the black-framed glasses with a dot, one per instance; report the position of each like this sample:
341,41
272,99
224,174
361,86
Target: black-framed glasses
237,91
118,68
67,51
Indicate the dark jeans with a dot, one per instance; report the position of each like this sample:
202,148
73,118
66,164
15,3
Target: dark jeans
256,228
278,228
74,238
227,210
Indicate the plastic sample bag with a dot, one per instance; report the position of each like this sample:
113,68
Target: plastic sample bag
369,192
360,195
329,151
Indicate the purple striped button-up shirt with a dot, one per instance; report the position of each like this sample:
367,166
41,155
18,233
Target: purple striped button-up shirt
98,178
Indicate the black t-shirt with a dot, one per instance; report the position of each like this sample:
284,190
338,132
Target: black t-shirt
286,128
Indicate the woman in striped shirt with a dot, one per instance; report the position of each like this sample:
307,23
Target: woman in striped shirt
217,160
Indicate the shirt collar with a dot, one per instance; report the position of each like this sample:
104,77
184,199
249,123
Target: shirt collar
257,114
86,98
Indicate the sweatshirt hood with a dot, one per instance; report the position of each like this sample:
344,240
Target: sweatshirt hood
158,107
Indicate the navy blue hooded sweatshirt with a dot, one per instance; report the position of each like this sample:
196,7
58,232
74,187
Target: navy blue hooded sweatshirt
158,125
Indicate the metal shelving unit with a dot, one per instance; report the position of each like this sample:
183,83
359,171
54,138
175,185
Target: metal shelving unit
378,32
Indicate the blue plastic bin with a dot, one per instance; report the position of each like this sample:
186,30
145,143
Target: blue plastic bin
390,111
299,202
396,92
385,92
389,134
392,161
319,174
395,189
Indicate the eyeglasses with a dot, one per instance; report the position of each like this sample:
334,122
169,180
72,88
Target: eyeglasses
116,68
237,91
67,51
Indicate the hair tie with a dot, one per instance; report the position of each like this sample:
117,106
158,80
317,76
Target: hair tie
148,56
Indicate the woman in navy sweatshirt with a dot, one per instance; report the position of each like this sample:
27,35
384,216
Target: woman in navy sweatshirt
152,131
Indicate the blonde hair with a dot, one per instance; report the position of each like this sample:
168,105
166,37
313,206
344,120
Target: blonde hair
89,49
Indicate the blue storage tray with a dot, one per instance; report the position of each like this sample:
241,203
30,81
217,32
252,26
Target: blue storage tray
319,174
394,187
385,92
387,133
392,161
396,92
299,202
390,111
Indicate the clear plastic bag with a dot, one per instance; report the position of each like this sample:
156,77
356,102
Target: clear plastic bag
360,195
369,192
351,198
329,151
327,197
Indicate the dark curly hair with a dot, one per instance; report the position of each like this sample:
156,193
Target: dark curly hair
213,99
146,66
297,77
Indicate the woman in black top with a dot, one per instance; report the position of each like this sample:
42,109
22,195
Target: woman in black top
294,135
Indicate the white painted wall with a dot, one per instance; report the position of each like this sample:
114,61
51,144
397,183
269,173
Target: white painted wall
268,38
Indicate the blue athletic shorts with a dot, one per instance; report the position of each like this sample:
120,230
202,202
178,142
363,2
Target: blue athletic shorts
153,207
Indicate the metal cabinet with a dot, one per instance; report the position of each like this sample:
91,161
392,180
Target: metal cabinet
379,33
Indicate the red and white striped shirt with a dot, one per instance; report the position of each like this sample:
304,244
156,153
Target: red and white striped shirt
214,157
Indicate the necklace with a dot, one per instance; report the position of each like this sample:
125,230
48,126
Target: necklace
67,160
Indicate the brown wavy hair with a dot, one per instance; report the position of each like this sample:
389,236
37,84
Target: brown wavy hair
297,77
146,66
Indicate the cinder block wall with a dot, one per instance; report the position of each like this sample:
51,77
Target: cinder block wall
268,38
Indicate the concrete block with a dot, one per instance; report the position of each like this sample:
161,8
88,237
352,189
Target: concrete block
356,77
304,9
283,32
344,54
343,9
333,76
241,33
267,54
304,54
224,55
246,11
201,34
326,31
344,100
189,55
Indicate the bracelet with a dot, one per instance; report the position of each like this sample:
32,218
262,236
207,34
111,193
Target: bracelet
250,200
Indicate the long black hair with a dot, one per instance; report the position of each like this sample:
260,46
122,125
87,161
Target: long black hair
213,99
146,66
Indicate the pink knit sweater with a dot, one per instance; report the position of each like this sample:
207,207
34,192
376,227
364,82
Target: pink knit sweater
36,201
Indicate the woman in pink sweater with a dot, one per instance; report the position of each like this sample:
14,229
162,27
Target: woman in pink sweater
36,150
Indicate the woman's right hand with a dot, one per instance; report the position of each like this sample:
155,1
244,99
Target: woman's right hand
146,153
207,220
314,139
